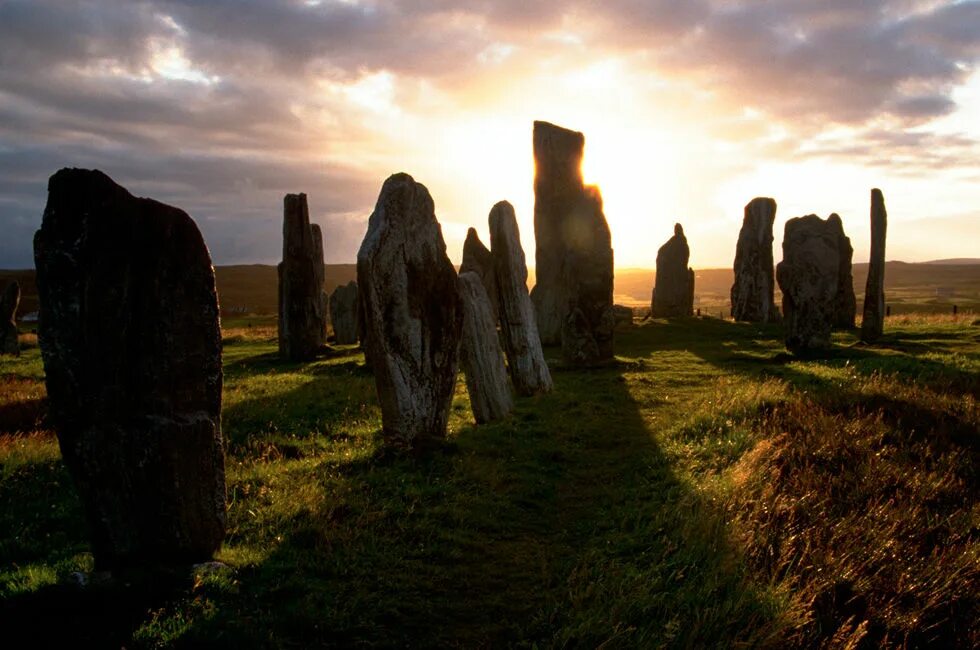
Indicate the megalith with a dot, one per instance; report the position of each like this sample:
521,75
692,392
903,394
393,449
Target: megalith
753,291
344,313
302,308
528,369
480,354
845,304
873,317
9,301
410,302
323,306
131,343
573,292
808,279
478,259
673,291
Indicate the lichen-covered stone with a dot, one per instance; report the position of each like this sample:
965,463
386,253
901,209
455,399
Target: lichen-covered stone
480,354
9,301
302,306
528,369
754,289
344,313
673,291
131,342
409,296
873,317
808,279
478,259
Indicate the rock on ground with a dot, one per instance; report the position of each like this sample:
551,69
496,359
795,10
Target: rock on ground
480,354
9,300
753,290
131,343
344,312
808,279
873,317
412,314
673,291
526,363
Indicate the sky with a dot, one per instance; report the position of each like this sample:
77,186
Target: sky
689,110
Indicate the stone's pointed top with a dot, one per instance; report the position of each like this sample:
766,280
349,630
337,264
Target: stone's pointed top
502,205
678,230
836,222
301,196
761,205
540,126
471,234
877,200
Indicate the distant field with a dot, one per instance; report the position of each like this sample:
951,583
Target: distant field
910,288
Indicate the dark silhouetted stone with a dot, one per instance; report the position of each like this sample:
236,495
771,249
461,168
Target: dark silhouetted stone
344,312
8,319
480,354
478,259
323,307
753,290
574,258
624,316
527,366
673,291
873,317
808,279
131,343
845,304
412,314
302,307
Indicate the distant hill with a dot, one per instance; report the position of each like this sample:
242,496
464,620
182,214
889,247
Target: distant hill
957,261
928,286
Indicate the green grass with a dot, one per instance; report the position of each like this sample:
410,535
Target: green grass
705,490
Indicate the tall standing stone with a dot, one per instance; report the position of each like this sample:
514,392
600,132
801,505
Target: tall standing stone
574,257
412,314
344,313
131,343
302,309
478,259
323,307
873,318
845,304
673,291
480,354
808,278
528,369
9,301
753,291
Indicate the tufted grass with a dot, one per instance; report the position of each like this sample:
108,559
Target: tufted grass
705,490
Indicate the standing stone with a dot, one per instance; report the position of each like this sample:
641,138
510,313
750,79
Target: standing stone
131,343
574,258
8,319
323,307
873,318
480,354
478,259
673,291
412,314
753,291
344,312
845,305
527,366
808,278
624,316
302,309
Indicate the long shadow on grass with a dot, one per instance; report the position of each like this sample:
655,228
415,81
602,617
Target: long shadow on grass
564,526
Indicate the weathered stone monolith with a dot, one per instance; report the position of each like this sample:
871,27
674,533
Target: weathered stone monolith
573,292
131,342
845,305
873,317
412,314
302,308
528,369
753,291
323,307
673,291
9,301
478,259
344,312
808,279
480,354
590,324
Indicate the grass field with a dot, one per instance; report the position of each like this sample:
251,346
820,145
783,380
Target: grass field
706,490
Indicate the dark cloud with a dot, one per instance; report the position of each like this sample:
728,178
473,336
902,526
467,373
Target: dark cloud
81,84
